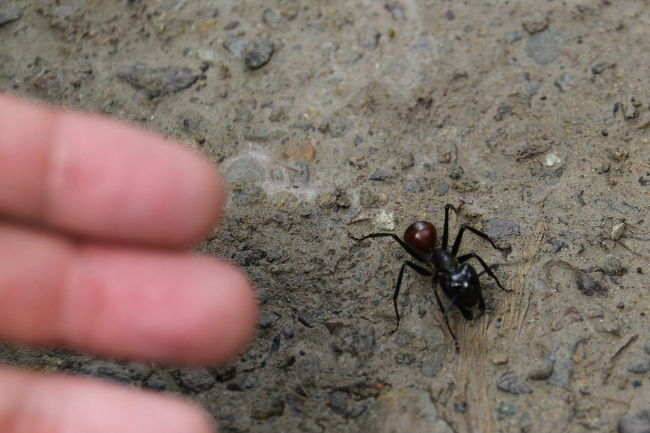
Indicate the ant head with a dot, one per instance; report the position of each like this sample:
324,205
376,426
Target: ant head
421,236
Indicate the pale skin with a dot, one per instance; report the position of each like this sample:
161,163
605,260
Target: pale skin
97,222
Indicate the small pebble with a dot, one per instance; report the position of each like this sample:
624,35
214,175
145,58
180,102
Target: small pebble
499,228
336,125
404,359
157,81
502,111
255,53
541,370
326,200
157,382
557,244
506,408
206,55
532,87
420,184
9,15
380,175
618,230
499,359
613,266
271,18
306,320
278,114
440,187
456,172
535,23
639,365
637,423
599,68
564,82
385,221
299,176
196,379
551,159
513,36
124,373
407,160
267,407
545,47
631,109
246,171
510,382
461,406
261,135
268,319
339,402
300,150
588,286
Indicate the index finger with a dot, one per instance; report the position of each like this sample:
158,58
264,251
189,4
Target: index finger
100,178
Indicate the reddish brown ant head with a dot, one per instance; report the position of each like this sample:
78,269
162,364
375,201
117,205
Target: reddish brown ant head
421,236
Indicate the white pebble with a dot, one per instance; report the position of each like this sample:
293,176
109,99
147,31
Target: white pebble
551,159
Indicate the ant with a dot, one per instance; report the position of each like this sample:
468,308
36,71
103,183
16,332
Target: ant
459,280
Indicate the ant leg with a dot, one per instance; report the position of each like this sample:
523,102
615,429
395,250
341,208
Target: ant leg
486,268
481,303
408,249
445,231
467,314
444,313
452,301
420,270
479,233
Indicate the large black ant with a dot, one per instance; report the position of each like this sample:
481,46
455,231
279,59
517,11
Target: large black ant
459,280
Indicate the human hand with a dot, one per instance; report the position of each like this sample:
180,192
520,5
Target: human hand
95,221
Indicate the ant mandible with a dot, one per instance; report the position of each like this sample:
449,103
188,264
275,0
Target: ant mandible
459,281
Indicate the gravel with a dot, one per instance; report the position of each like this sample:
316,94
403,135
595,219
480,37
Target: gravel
9,15
499,228
613,266
255,53
157,81
635,423
639,365
588,286
267,408
545,47
197,379
245,170
510,382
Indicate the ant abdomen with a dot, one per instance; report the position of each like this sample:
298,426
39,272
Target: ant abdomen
421,237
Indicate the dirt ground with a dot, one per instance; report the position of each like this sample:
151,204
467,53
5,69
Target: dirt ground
332,119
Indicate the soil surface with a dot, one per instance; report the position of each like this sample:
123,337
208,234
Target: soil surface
333,119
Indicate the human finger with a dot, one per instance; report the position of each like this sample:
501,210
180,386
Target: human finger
101,178
39,403
123,302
